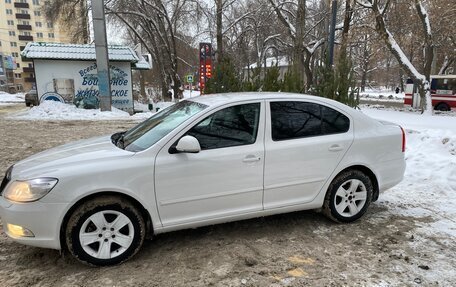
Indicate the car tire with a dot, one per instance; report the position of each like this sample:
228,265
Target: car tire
27,104
348,196
107,230
444,107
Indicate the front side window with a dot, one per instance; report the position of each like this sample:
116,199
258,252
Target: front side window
159,125
292,120
233,126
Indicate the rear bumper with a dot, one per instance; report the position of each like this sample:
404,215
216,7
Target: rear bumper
391,173
42,219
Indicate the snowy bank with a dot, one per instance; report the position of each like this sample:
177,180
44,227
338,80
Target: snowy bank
12,98
51,110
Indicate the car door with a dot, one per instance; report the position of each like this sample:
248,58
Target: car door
225,178
304,142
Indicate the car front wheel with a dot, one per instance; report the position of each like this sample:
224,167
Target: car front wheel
348,196
105,231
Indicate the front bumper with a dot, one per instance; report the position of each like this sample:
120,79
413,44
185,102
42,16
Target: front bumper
43,219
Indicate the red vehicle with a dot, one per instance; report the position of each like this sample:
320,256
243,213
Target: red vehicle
443,91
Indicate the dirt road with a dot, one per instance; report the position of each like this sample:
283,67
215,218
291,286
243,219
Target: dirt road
299,249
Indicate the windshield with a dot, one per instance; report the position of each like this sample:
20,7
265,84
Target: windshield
159,125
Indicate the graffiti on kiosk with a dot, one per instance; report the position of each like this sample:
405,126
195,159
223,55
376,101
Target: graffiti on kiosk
87,96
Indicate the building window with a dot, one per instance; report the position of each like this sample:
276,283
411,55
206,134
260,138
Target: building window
39,35
51,35
38,24
13,44
10,22
9,12
24,12
27,34
25,23
23,1
12,33
30,65
8,1
18,65
17,76
37,13
15,54
36,2
50,25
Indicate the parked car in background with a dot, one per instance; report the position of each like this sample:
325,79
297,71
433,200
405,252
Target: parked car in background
202,161
31,98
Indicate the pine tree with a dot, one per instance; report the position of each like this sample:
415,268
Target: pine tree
338,84
271,82
292,81
225,79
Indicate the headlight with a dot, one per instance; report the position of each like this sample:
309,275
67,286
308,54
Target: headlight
29,190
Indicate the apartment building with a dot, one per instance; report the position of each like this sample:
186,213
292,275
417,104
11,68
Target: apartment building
23,21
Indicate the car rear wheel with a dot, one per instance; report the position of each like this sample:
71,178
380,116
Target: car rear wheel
105,231
444,107
348,196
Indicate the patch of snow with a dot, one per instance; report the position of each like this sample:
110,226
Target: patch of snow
192,94
51,110
281,61
381,94
12,98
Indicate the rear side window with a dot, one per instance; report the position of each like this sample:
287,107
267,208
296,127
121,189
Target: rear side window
291,120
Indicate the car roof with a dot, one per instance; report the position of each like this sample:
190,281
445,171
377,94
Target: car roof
213,100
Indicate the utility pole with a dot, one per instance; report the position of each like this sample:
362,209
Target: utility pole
101,50
332,33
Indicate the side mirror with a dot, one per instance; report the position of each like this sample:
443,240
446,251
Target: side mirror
188,144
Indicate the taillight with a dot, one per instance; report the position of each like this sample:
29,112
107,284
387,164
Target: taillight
403,139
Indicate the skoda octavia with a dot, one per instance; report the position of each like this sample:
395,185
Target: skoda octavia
203,161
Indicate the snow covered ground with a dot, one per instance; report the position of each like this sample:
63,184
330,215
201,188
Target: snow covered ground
428,190
51,110
381,95
6,98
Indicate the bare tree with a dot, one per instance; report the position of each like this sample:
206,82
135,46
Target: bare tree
155,23
73,15
293,15
380,12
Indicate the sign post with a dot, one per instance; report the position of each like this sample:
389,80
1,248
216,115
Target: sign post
101,50
205,69
190,81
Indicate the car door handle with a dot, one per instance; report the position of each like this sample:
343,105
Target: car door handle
251,158
335,147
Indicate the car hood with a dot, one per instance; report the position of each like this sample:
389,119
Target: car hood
80,152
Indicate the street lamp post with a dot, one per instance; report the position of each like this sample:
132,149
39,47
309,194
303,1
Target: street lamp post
101,50
332,33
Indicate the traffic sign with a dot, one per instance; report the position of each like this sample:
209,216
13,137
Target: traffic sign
189,78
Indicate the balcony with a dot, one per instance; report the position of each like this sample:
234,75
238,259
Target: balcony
29,80
24,27
25,38
21,5
22,16
25,59
28,70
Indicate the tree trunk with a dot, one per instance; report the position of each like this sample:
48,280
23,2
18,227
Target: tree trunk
84,24
299,62
308,71
219,17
